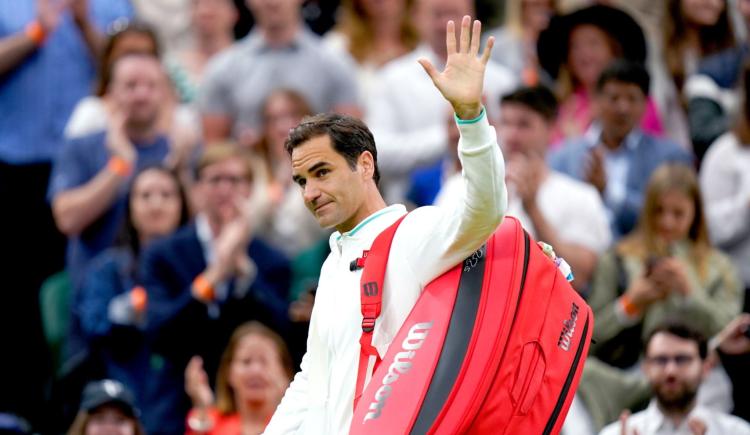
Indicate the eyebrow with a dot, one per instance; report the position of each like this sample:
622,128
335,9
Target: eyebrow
312,168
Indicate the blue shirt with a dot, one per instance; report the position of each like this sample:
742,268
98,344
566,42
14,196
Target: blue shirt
78,162
37,97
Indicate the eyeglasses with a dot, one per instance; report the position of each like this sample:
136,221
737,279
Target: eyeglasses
232,180
680,360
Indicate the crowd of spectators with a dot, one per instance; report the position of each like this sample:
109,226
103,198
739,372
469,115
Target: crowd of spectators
160,266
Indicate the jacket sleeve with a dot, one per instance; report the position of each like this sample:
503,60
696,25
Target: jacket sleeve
603,299
441,238
99,287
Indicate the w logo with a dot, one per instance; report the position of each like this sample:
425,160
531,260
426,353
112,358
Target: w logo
370,288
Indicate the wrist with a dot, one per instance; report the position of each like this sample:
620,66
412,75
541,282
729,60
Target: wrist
120,166
36,32
139,299
203,287
468,112
629,306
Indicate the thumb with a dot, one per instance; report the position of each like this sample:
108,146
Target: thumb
430,69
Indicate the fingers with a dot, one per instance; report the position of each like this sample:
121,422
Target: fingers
450,37
465,37
476,33
488,50
430,69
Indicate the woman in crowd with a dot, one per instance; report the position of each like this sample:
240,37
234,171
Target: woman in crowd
665,268
575,49
112,303
372,33
107,408
255,370
516,40
212,24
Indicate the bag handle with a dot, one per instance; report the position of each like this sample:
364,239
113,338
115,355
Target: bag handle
374,262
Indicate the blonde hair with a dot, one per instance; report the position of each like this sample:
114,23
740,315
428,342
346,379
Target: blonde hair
82,420
224,394
222,151
643,241
353,23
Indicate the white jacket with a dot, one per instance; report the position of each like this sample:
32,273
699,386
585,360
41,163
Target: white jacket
429,241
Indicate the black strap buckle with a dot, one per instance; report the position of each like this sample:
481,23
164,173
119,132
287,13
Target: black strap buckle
368,324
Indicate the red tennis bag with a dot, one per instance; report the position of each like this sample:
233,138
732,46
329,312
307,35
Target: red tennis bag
495,345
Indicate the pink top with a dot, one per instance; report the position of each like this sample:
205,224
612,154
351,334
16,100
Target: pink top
575,117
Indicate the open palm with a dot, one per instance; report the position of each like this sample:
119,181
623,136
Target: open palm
462,79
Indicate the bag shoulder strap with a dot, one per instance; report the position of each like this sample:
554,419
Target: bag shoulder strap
374,262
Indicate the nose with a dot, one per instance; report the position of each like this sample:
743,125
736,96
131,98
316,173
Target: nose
310,192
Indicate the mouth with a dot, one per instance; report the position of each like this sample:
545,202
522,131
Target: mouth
320,207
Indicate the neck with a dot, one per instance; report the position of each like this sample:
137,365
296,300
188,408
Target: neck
693,38
255,415
280,35
612,141
677,416
214,223
373,203
141,133
210,44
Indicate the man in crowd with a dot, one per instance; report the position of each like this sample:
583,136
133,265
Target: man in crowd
408,116
210,277
675,365
615,156
334,161
280,52
557,209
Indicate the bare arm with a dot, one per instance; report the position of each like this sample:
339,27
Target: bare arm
76,209
14,50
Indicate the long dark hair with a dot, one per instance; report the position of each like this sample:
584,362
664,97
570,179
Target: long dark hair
128,236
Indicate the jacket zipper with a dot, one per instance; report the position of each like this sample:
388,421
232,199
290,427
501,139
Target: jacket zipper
568,381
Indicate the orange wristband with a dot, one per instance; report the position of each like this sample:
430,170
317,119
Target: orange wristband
203,289
119,166
139,298
628,306
36,33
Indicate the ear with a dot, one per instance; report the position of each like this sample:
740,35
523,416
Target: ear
367,162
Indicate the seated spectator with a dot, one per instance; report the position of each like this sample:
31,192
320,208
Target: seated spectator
615,155
725,180
107,407
665,268
211,276
112,302
90,179
290,226
553,207
575,49
254,373
211,27
280,52
675,365
515,41
373,33
407,117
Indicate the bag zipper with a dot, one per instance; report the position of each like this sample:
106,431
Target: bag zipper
568,381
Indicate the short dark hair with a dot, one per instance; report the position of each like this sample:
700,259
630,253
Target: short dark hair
537,98
349,136
625,71
680,329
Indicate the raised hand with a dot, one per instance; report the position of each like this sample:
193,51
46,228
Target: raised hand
462,80
196,384
118,142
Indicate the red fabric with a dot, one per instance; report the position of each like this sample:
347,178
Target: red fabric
223,424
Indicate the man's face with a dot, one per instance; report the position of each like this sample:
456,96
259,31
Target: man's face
211,17
333,191
434,14
138,88
674,369
222,186
271,14
621,107
523,130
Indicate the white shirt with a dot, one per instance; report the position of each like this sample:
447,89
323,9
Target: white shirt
651,421
573,208
409,118
428,242
725,182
